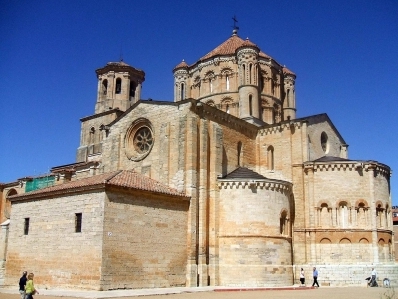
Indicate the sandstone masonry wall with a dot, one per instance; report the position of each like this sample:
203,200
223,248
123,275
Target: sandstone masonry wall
144,241
57,255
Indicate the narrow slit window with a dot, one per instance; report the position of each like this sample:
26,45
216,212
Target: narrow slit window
26,226
78,222
250,106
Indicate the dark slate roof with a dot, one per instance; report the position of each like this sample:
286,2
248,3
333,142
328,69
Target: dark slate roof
244,173
330,159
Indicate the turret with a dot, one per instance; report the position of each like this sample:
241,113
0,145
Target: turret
289,102
180,81
249,104
119,86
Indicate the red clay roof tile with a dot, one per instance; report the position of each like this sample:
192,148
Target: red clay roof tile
121,178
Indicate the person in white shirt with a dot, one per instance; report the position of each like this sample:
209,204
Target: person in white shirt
302,277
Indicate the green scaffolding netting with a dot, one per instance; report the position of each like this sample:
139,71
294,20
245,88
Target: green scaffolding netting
39,183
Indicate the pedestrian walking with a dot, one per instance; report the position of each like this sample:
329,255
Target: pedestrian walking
22,284
315,276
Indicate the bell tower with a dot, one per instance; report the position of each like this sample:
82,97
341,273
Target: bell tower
119,86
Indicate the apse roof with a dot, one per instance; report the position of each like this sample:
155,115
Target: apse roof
244,173
122,178
330,159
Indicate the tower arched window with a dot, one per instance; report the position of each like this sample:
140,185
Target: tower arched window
272,87
133,87
118,87
104,87
91,137
211,85
227,108
227,81
239,153
250,105
182,91
250,73
243,79
288,98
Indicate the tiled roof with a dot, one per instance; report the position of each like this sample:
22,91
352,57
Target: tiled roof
287,71
119,63
121,178
229,47
182,64
244,173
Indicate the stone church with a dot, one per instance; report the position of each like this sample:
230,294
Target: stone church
223,186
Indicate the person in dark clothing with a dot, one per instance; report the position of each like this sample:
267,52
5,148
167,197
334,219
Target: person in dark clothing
315,275
22,283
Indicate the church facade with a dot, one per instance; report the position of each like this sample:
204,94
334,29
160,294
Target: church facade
224,186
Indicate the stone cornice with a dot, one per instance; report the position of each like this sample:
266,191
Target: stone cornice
340,230
214,114
273,185
213,61
256,236
348,165
276,128
116,111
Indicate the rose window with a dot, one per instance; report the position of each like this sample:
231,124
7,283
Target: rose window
139,140
143,140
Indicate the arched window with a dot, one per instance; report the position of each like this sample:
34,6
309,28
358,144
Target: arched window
239,153
288,98
211,84
132,89
91,137
250,73
101,132
343,214
105,87
361,215
118,87
379,215
250,105
272,87
243,79
227,108
325,216
227,81
270,157
182,91
7,208
324,142
284,224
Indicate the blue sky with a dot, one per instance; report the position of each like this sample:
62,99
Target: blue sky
343,52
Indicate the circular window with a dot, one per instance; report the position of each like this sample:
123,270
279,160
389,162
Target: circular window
324,142
143,140
139,140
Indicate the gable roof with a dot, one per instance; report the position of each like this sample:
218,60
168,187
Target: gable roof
127,179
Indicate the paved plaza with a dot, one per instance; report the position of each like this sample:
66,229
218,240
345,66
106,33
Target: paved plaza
218,293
